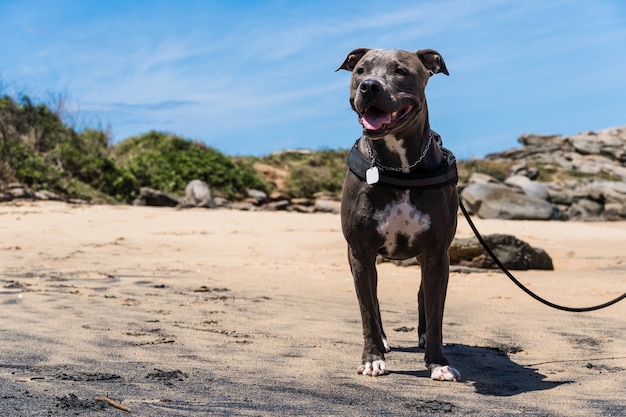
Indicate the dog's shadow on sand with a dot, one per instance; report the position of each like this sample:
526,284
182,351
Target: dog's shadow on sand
489,370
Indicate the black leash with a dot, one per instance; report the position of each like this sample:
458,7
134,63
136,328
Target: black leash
445,175
519,284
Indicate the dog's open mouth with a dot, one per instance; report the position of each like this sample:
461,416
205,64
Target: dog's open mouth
376,119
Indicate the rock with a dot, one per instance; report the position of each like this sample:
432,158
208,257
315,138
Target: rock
220,202
259,196
493,201
303,209
243,206
592,207
197,194
528,186
279,205
523,169
607,142
325,195
587,152
151,197
5,197
302,201
559,194
47,195
600,190
480,178
535,146
615,210
327,206
475,193
584,209
515,254
19,191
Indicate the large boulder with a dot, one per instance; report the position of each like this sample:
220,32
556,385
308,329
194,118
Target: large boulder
515,254
495,201
197,194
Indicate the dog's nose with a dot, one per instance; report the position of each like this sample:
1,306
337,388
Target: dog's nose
370,86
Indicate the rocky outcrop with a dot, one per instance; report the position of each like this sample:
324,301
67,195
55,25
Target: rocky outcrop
589,183
16,191
257,200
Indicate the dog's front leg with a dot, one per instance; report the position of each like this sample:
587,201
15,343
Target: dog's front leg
375,344
421,324
432,297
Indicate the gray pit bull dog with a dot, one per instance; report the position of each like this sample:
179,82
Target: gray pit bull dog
399,198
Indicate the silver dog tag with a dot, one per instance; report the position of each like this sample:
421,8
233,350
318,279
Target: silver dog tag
372,175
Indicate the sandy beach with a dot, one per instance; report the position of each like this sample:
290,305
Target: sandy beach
219,312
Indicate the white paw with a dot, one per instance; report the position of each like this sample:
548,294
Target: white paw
445,373
375,368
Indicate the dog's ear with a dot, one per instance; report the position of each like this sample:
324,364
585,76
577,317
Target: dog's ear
352,59
432,60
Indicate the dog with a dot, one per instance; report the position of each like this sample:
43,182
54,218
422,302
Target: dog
399,197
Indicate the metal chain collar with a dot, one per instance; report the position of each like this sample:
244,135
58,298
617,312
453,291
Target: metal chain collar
398,169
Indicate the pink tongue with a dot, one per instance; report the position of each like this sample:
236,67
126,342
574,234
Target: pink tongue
375,121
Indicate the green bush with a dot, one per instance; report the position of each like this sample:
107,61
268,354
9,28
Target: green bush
40,151
25,166
320,171
167,163
85,157
23,127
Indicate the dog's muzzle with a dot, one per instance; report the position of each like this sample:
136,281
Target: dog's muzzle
374,114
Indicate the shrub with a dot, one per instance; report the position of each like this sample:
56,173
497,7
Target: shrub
168,162
85,157
310,171
321,171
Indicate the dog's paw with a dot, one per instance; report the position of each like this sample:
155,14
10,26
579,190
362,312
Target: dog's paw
375,368
445,373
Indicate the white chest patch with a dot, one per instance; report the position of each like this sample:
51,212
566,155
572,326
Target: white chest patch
400,218
397,147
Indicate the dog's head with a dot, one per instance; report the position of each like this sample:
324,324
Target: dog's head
387,87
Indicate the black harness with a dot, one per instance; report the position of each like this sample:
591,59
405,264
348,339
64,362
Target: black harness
446,174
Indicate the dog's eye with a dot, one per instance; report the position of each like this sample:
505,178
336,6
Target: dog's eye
401,71
360,70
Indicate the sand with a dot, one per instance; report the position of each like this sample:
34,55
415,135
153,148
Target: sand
217,312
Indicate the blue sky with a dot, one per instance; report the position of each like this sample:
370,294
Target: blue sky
253,77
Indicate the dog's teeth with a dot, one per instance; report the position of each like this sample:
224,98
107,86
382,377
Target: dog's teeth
394,114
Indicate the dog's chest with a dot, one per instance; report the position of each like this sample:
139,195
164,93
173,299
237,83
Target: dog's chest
400,221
